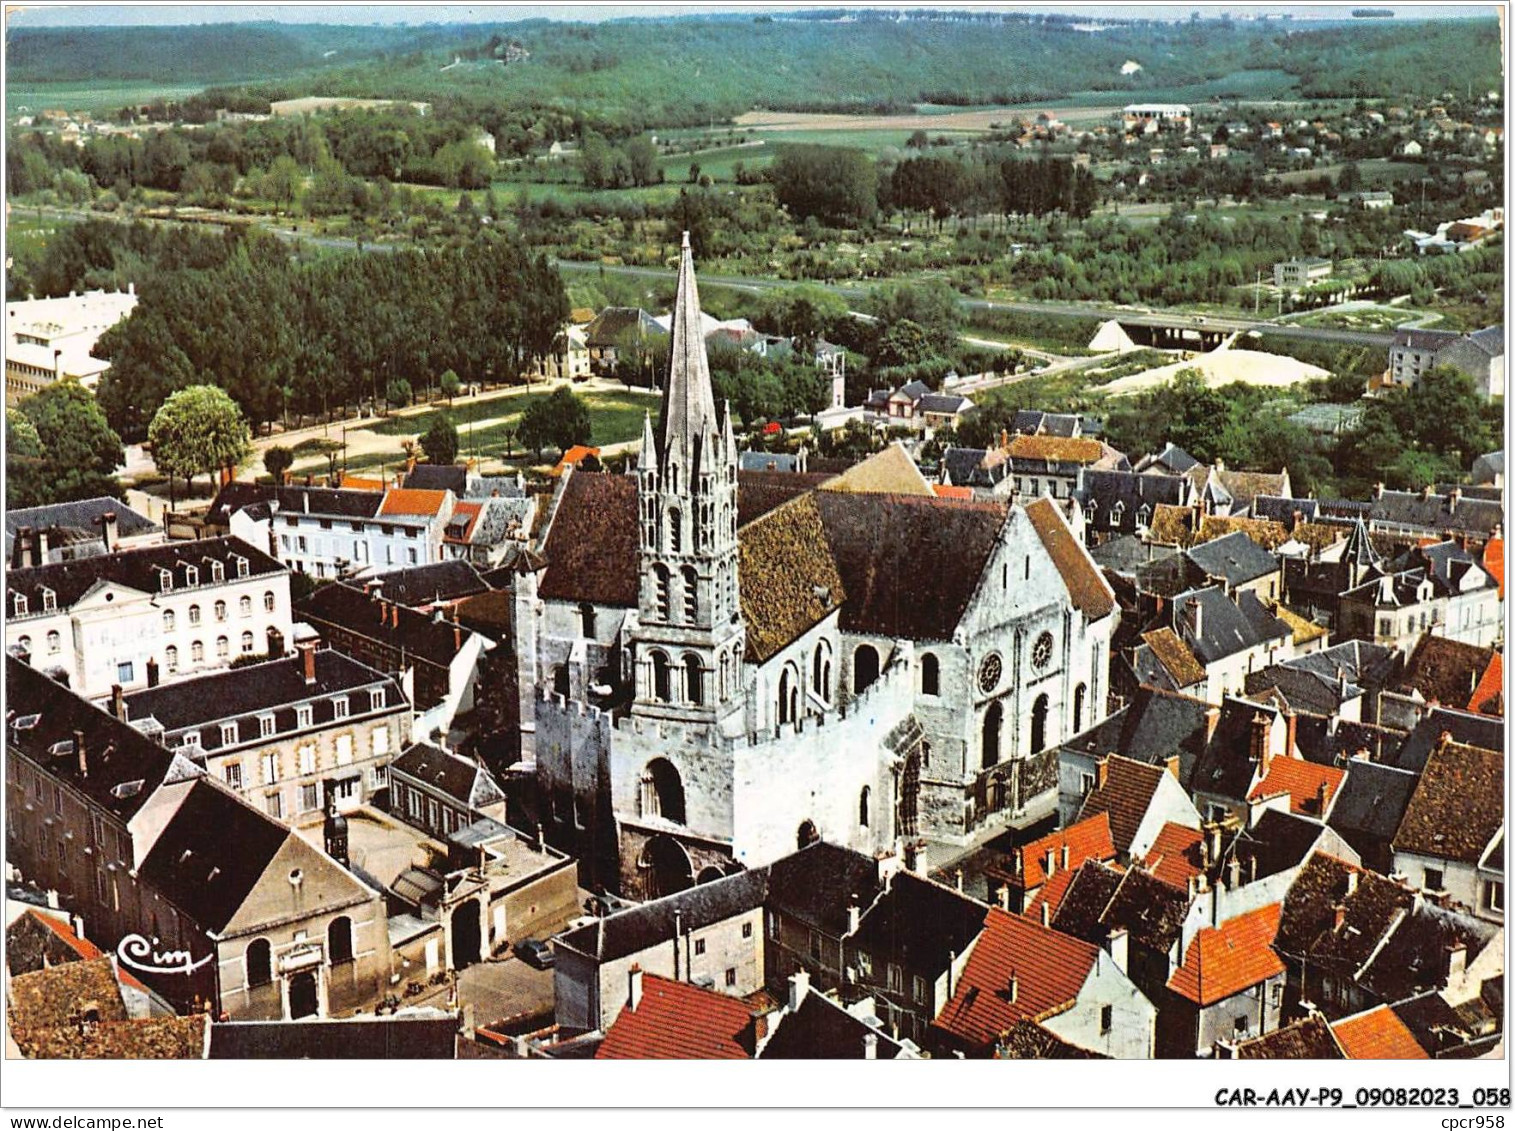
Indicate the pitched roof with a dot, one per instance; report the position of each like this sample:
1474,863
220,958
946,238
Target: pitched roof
888,472
416,634
437,477
919,923
1371,906
1027,1040
1437,512
1474,730
1049,969
1059,449
758,492
146,1038
594,545
1369,807
637,928
1080,909
84,514
1153,912
1226,960
1488,696
1174,656
403,501
824,1029
1309,1038
1124,796
789,580
1175,855
1493,562
819,882
1377,1034
679,1021
1090,593
211,854
1267,534
124,765
427,584
52,997
1458,807
469,782
1303,781
1087,839
909,564
1245,486
1234,558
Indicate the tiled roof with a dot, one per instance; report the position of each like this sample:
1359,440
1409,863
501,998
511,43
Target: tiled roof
1090,593
758,492
147,1038
1377,1034
1304,630
47,998
1245,486
909,565
961,494
437,477
824,1029
818,883
648,924
1303,782
468,782
889,472
1267,534
1224,961
1458,807
1493,562
1474,730
210,856
1172,525
593,546
1488,696
1175,855
1079,910
408,501
361,483
82,515
1309,1038
789,580
919,924
1027,1040
1371,908
427,584
1059,449
1125,795
1049,969
1153,912
1415,958
1175,657
36,940
416,634
1088,839
1369,808
679,1021
1233,557
1436,512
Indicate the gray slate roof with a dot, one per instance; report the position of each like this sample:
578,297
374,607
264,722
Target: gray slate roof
637,928
1234,558
81,515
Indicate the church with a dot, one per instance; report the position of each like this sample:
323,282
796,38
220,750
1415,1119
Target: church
718,666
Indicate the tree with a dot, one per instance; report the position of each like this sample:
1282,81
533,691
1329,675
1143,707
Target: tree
449,384
198,429
836,186
75,451
398,393
440,441
277,460
561,420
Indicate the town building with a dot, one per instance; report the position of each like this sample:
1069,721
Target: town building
1479,354
1291,274
61,532
53,339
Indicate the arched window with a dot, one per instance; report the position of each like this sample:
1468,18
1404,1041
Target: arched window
820,676
168,620
691,582
223,648
661,689
54,642
663,791
807,834
725,687
171,658
1078,707
694,675
675,530
260,967
993,717
864,667
1039,724
931,674
268,601
25,644
908,802
247,643
220,610
194,614
660,586
586,620
789,694
197,652
862,808
339,940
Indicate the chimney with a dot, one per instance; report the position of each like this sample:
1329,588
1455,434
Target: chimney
1378,490
799,986
1321,794
1101,772
1351,883
634,988
1050,863
1291,731
117,702
1338,916
541,838
1212,720
958,877
1116,943
1046,913
42,547
1233,872
1213,835
1457,960
1453,496
1065,856
1196,611
1425,493
383,607
109,531
394,616
870,1046
678,933
81,754
152,672
1014,987
1259,746
854,915
24,546
308,661
1004,897
457,637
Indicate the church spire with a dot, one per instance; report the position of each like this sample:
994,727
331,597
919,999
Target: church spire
688,405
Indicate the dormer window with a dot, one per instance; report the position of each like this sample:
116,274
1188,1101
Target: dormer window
1116,512
339,707
1144,516
230,734
376,699
18,604
165,581
191,575
242,568
265,726
302,716
217,571
49,601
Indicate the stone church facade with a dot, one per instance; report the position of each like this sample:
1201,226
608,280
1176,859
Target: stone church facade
722,666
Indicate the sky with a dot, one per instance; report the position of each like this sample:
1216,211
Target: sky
129,14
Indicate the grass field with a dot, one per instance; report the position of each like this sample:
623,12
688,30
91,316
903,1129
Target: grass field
615,416
92,97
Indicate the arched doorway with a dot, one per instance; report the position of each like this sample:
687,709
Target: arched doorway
1039,724
908,805
466,943
807,834
339,940
663,791
304,995
993,718
666,867
1078,708
864,667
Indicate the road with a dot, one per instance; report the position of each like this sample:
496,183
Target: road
1229,323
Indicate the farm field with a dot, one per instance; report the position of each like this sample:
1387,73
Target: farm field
91,97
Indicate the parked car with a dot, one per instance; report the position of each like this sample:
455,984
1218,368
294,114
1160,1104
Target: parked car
534,952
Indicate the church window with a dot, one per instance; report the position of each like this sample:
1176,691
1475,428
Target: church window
821,675
675,531
725,685
909,796
662,791
789,694
931,678
560,679
865,667
862,808
1078,707
990,745
661,678
1039,724
691,594
695,679
660,582
586,616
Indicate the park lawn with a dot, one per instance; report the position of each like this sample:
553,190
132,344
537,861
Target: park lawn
615,417
1366,318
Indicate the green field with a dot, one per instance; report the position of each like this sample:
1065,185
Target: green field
92,97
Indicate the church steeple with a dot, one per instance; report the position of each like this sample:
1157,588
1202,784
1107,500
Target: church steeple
689,637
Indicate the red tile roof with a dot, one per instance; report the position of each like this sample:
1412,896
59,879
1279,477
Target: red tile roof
1125,795
1488,696
360,483
574,456
677,1021
81,946
1049,970
1224,961
1493,562
1378,1034
410,500
944,491
1174,855
1302,781
1089,839
1086,585
469,512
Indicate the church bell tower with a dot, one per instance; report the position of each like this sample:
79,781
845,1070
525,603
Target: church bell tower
689,643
